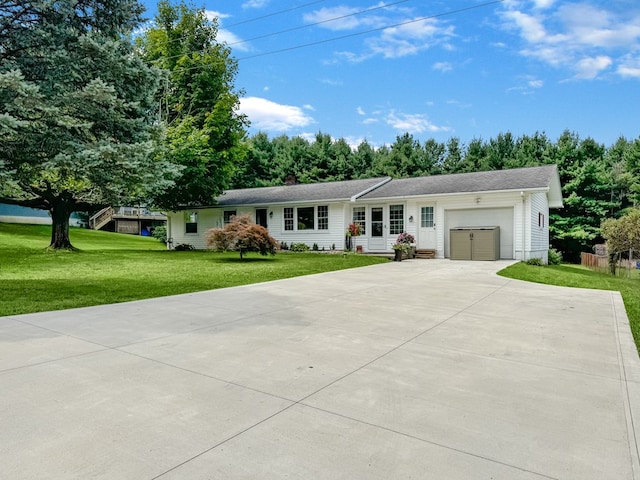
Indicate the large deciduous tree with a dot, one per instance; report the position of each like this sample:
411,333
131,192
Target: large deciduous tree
77,109
199,105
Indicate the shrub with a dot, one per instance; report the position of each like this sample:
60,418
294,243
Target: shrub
554,257
299,247
333,246
284,246
184,247
534,261
160,233
242,235
315,247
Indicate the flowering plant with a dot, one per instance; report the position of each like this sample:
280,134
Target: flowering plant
353,230
404,241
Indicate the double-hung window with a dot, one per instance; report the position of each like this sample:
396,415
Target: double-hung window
396,219
190,222
360,218
323,217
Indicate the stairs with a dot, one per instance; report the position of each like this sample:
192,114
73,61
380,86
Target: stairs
100,219
425,253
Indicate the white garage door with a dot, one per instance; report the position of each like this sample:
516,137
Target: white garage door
482,217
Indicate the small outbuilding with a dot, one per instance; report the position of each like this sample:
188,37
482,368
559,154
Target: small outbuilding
513,203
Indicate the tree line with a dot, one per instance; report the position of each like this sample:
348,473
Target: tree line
598,181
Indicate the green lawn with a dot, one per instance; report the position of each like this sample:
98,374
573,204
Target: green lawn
111,268
581,277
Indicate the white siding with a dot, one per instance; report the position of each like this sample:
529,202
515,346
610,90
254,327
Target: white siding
213,218
539,227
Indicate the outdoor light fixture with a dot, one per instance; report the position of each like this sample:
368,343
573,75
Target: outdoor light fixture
411,219
271,214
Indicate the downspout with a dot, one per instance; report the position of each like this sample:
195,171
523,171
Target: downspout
523,227
169,237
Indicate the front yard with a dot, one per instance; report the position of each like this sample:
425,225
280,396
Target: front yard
112,268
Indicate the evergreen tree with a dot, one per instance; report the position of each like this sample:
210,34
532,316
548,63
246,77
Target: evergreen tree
78,109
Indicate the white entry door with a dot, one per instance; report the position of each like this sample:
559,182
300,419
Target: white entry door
427,227
377,237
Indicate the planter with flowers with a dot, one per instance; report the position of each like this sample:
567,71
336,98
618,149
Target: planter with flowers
353,230
404,246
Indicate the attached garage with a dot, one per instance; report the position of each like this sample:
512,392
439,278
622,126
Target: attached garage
482,217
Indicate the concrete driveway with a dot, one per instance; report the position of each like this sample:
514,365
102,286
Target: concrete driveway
421,369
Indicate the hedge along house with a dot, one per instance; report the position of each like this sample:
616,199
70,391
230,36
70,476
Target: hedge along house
517,201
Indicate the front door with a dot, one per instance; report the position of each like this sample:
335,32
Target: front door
377,239
427,228
261,217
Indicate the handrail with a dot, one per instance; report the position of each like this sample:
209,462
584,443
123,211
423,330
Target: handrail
99,219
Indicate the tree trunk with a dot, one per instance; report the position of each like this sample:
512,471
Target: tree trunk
60,228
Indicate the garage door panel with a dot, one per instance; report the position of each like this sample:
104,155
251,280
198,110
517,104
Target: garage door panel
483,217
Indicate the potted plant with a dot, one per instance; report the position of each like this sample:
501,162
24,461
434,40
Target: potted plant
404,246
353,230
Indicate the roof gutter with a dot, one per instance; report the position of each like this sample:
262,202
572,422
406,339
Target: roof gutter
370,189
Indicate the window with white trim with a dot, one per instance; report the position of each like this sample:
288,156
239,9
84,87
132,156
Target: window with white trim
323,217
227,215
288,218
190,222
426,217
360,217
306,218
396,219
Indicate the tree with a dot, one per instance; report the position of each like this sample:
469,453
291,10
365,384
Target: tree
199,105
242,235
77,121
623,234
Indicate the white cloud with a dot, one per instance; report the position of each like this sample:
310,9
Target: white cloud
331,83
255,4
309,107
360,111
409,39
369,121
413,123
231,39
589,68
345,20
629,67
579,37
214,14
535,83
443,66
267,115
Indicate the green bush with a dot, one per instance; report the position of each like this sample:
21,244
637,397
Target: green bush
299,247
315,247
534,261
555,257
160,233
184,247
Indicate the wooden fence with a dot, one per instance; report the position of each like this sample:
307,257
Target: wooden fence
601,262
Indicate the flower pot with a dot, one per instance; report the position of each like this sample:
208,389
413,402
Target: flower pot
359,249
398,256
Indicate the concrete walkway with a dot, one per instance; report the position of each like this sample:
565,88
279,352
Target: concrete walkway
420,369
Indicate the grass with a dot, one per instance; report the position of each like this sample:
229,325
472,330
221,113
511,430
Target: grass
112,268
581,277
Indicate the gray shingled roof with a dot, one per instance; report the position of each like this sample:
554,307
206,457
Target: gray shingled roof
297,193
514,179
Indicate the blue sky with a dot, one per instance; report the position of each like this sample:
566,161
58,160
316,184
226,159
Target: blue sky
435,69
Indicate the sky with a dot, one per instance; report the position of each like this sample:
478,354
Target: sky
373,70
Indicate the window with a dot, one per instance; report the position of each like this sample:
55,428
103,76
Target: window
323,217
426,217
360,217
396,219
305,218
191,222
227,215
288,218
